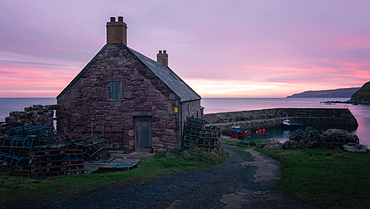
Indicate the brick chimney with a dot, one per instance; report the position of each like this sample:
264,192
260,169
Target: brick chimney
116,31
162,57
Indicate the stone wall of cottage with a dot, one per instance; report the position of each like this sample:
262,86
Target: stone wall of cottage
190,109
86,106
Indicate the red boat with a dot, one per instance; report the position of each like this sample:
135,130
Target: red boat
237,133
260,131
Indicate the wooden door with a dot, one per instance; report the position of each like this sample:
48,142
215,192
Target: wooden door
143,133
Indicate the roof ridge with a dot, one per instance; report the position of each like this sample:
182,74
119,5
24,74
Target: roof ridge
184,91
160,71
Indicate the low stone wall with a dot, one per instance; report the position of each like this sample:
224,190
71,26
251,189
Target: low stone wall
272,118
36,115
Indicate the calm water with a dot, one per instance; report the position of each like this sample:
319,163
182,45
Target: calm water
213,105
361,112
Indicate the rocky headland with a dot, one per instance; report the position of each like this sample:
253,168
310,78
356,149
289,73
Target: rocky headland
333,93
362,96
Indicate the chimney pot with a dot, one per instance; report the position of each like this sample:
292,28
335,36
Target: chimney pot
116,31
162,57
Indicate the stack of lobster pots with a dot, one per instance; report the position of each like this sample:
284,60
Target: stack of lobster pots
40,151
198,136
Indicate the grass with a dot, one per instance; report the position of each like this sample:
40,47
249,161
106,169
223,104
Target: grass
246,155
19,188
236,143
329,178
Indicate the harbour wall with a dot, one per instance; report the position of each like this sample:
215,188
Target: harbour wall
272,118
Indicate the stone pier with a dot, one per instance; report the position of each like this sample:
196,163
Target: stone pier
272,118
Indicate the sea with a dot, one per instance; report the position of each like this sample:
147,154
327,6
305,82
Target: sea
215,105
361,112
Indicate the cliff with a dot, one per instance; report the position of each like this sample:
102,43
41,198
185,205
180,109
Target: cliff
334,93
362,95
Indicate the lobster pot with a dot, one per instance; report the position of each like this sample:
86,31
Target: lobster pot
201,137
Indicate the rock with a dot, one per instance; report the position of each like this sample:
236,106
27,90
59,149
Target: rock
10,119
269,146
170,147
185,154
291,144
362,95
335,137
36,115
311,138
14,113
353,147
161,150
160,145
247,143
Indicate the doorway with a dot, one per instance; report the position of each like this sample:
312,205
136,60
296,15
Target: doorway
143,133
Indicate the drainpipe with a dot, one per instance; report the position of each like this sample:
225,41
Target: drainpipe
180,125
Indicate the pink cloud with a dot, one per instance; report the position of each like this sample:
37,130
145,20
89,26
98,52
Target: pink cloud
20,82
280,44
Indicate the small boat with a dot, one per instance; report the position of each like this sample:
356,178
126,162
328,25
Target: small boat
260,131
237,133
286,124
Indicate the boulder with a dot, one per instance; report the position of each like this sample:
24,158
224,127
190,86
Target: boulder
353,147
335,137
311,138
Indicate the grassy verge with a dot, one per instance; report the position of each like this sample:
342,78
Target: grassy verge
19,188
237,143
330,178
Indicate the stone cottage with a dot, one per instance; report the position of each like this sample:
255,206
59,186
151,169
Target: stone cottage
137,103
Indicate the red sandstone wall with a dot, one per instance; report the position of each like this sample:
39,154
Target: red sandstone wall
87,102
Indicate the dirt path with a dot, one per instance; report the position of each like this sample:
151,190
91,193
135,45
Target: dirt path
267,170
237,183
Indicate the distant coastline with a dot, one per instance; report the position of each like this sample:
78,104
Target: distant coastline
333,93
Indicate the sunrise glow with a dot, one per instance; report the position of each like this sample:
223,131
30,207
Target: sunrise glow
220,48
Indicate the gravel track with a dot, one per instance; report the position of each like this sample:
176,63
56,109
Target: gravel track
237,183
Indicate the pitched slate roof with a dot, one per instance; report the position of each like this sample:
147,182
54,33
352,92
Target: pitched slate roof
164,73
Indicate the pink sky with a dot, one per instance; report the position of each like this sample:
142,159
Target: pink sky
237,48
